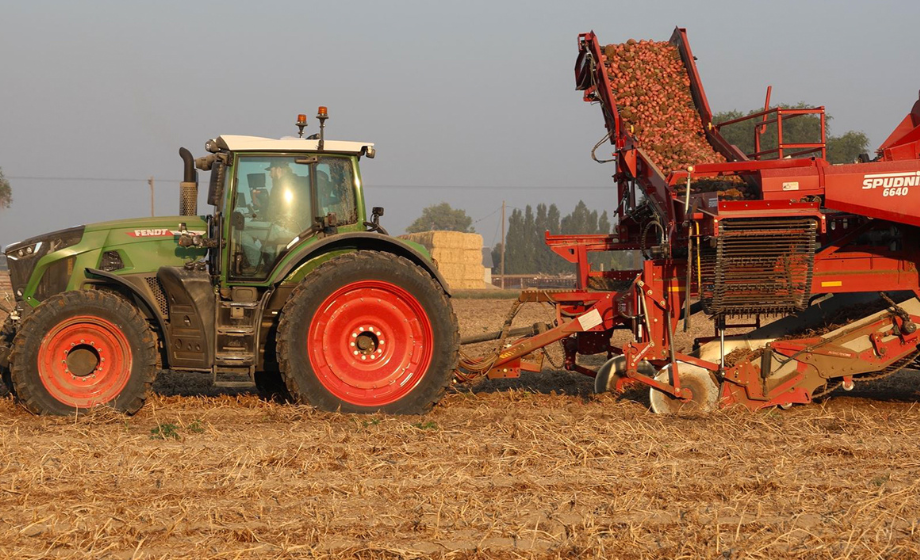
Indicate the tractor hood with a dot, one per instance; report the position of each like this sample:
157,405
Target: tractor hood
47,264
140,229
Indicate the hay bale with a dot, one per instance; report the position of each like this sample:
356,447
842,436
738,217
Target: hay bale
445,239
457,256
470,285
459,272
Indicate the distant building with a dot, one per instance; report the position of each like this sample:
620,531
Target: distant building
3,266
487,258
488,264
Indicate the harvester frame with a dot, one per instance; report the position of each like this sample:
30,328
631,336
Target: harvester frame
820,228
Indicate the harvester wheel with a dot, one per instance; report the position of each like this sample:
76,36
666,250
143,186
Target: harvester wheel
702,385
83,349
368,332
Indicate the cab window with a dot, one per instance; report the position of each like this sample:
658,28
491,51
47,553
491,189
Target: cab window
272,205
335,188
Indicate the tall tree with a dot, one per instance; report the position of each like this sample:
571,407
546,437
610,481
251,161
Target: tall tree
527,252
846,148
528,249
6,191
515,238
442,217
603,223
580,220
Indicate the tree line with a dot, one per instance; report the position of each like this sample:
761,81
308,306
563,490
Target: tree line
527,252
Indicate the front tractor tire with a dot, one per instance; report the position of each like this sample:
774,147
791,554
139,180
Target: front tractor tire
368,332
80,350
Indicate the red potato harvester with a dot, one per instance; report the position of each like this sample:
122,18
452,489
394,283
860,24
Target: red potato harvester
777,232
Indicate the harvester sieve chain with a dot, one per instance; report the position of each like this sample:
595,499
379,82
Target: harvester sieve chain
760,266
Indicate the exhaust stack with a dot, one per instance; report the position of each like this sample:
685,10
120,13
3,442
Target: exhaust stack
188,188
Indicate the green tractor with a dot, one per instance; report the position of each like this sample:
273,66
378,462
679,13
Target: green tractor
286,286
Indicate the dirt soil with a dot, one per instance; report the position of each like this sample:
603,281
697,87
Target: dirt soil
533,468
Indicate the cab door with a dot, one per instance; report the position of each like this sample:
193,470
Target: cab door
272,205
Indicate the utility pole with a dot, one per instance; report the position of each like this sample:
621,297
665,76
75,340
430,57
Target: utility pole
150,182
503,245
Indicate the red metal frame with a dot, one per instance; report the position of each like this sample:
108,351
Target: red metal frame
847,202
804,148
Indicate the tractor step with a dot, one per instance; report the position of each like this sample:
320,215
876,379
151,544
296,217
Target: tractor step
232,377
236,331
233,360
234,384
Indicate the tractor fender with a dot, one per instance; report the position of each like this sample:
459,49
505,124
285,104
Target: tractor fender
109,278
363,240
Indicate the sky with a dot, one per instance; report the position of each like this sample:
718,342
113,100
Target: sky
470,103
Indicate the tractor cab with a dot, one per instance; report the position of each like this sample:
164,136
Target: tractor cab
272,196
276,197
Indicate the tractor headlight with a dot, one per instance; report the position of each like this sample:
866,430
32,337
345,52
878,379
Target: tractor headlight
22,257
24,251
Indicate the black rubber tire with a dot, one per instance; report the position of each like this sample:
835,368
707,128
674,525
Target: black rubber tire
113,309
301,308
6,345
271,387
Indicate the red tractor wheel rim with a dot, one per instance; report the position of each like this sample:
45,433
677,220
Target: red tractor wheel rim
370,343
85,361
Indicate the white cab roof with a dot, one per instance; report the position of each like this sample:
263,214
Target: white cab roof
291,144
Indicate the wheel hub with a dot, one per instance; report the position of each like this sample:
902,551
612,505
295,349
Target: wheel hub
370,343
367,343
83,359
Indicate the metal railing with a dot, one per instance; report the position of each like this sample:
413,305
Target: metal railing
779,114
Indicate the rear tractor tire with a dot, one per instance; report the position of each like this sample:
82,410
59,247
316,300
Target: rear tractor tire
368,332
80,350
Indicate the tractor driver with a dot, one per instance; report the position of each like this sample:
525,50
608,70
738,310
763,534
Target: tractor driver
288,211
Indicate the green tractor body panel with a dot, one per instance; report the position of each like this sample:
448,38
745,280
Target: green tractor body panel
142,245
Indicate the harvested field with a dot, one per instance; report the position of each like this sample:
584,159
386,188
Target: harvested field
538,467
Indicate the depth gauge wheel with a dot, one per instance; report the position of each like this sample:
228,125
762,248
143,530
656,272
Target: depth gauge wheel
614,370
80,350
368,332
702,385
